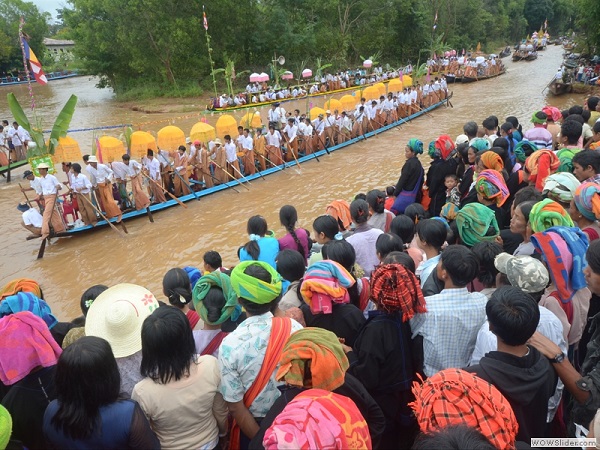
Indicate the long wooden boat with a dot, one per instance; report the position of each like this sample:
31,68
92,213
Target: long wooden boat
466,79
559,88
11,81
506,52
13,165
233,184
531,56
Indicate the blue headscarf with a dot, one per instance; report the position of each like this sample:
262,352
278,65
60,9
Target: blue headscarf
26,301
193,274
415,145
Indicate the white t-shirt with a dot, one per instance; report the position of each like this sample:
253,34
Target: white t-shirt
231,152
32,217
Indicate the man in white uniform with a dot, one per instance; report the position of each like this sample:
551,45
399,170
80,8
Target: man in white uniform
52,221
31,220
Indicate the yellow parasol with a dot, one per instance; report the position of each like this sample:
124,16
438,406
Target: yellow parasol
141,142
315,112
381,87
202,132
226,125
371,93
349,102
332,104
111,149
170,138
407,80
66,151
395,85
251,120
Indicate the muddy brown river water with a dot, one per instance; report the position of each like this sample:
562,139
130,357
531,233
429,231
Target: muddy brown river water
179,236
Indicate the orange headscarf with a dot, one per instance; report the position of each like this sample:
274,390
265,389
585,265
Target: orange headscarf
453,397
492,160
340,210
20,285
540,165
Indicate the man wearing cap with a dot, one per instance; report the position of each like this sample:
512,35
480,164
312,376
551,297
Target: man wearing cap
249,355
101,178
34,183
153,168
50,187
31,220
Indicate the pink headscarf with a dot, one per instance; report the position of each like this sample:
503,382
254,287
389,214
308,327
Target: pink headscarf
26,344
552,112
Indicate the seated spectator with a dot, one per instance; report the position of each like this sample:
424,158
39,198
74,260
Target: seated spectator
453,318
520,372
178,290
291,265
87,298
364,237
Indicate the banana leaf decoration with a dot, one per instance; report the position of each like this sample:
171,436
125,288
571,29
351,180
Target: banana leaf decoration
127,132
60,128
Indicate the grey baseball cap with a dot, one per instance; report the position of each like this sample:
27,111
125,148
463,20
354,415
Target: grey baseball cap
523,272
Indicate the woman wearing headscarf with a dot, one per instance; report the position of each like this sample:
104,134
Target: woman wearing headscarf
585,209
325,291
216,303
563,251
21,285
441,151
491,160
546,214
539,166
249,355
453,396
408,187
476,223
493,193
317,419
383,357
313,358
561,188
29,355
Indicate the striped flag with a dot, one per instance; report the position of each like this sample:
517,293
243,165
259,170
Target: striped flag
34,63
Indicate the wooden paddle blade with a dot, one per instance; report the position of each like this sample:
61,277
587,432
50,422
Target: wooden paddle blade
123,226
42,249
150,215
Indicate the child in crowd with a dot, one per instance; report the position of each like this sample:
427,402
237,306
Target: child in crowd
452,193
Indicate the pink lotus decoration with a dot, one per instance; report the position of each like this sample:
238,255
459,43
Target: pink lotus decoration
287,75
263,77
453,52
367,63
446,54
255,78
306,73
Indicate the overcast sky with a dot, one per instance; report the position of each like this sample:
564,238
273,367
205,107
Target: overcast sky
49,5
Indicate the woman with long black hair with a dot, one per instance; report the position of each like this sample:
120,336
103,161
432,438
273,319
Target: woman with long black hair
178,290
89,411
296,238
262,246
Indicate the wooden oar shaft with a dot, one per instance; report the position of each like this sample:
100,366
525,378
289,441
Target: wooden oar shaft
26,198
166,191
230,176
119,232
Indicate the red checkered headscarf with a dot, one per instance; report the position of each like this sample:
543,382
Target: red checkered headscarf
395,288
453,397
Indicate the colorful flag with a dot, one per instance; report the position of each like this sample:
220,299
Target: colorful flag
34,63
435,20
204,19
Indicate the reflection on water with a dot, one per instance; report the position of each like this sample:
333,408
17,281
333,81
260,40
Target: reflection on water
180,236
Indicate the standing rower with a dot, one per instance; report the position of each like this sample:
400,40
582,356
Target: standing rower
50,187
102,177
82,187
134,172
153,168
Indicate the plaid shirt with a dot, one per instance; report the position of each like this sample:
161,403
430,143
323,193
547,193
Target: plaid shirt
449,328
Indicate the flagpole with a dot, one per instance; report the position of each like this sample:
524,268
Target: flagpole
212,65
27,74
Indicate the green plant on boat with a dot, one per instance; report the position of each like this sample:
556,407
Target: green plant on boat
59,129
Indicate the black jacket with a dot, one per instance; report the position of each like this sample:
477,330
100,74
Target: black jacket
411,171
527,383
345,321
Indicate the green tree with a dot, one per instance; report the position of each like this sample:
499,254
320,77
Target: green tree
36,27
536,12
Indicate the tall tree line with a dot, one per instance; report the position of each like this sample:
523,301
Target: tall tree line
162,42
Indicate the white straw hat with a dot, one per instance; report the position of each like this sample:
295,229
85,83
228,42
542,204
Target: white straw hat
117,315
92,158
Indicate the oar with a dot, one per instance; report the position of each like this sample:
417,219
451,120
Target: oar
217,181
272,163
167,192
179,175
289,147
26,198
230,176
119,232
42,249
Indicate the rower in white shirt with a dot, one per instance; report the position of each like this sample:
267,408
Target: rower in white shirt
273,146
248,160
290,134
274,117
233,165
345,126
360,119
52,220
152,166
133,170
329,124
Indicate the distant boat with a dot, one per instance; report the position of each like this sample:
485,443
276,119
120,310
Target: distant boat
11,81
531,56
558,87
467,79
504,53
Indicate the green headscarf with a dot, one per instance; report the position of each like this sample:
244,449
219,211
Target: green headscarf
253,289
480,144
415,145
203,285
539,118
524,149
548,213
476,223
432,151
5,427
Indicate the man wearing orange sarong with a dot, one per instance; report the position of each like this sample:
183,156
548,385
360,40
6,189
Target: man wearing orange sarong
50,187
82,186
153,168
308,144
260,148
102,176
204,166
291,138
360,122
248,151
220,158
180,176
193,160
273,147
134,172
233,165
345,125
